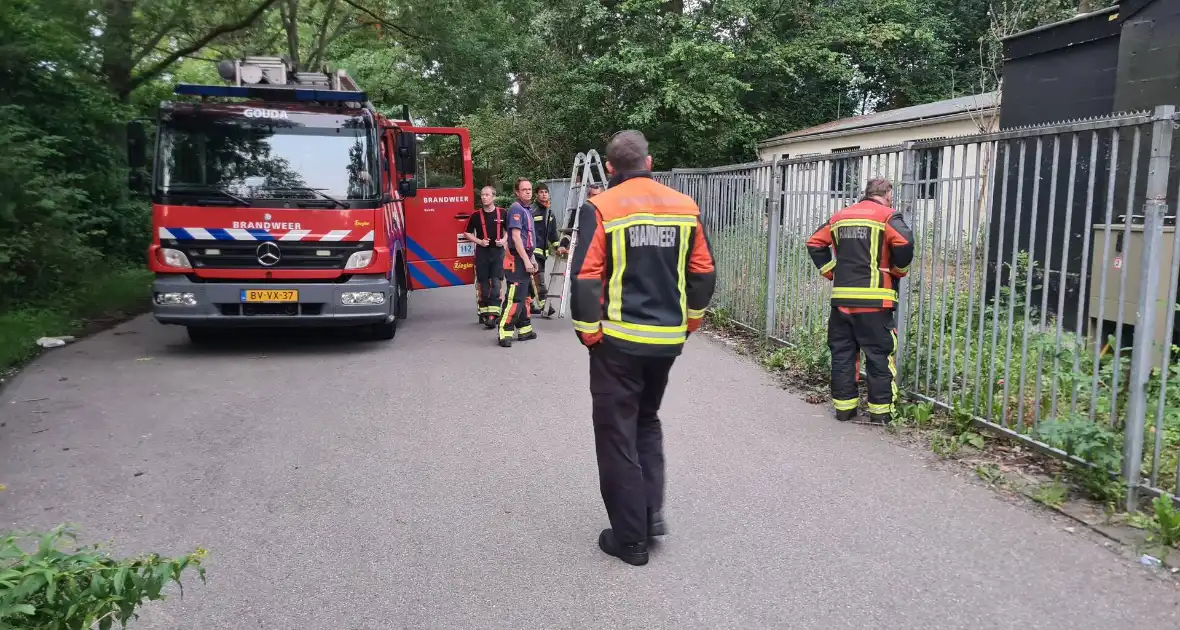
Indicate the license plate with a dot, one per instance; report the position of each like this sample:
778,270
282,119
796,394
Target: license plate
270,295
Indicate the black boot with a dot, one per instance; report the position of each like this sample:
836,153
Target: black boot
882,419
634,554
846,414
655,524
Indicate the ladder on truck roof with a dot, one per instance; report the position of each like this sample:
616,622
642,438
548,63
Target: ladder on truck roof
275,79
587,168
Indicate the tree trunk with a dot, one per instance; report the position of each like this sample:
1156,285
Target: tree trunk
289,12
118,63
117,47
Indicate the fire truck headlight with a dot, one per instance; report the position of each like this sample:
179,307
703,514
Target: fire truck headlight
176,299
174,258
364,298
359,260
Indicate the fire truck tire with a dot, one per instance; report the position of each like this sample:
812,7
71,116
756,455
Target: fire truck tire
401,295
385,330
200,335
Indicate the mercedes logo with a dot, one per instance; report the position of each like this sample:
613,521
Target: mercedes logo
269,254
266,217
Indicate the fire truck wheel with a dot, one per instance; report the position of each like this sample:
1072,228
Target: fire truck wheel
385,330
401,300
201,336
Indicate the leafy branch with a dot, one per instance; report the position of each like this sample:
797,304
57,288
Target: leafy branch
199,43
52,589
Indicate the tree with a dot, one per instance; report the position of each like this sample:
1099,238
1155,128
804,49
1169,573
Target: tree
141,39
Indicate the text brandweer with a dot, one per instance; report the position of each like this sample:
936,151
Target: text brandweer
265,225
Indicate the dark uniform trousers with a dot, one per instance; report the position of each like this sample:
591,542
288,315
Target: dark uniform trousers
540,288
626,391
489,271
515,309
873,333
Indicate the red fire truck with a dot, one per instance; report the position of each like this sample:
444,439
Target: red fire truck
300,205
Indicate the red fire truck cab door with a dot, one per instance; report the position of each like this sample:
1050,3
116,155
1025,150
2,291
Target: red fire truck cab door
437,253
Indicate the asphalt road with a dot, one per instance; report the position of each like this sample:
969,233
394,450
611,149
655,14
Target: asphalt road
347,485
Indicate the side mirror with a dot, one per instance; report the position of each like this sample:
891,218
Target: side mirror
386,198
407,188
136,145
407,153
138,182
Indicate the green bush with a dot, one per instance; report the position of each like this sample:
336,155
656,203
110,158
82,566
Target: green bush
42,213
53,589
1165,524
63,183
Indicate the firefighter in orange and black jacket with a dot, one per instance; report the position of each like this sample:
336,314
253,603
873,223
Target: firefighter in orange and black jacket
642,275
873,250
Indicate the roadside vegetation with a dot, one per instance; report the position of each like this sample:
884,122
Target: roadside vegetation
88,304
45,585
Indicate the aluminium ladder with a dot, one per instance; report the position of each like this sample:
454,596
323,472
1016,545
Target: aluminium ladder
587,168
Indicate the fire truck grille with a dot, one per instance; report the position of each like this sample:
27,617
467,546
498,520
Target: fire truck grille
289,310
269,254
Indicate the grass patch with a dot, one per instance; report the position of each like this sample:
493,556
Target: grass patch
106,297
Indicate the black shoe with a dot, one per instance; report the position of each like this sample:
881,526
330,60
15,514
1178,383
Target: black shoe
506,343
846,414
655,524
882,419
527,336
634,554
489,322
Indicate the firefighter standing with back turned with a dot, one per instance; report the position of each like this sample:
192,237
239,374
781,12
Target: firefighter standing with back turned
486,229
873,249
642,277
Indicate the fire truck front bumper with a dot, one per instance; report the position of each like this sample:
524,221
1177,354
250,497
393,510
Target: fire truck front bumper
358,301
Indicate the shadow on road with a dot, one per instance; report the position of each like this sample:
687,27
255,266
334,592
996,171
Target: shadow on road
278,341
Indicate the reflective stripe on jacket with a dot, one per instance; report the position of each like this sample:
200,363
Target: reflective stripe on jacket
872,246
642,270
545,227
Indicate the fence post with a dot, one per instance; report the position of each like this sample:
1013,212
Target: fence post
772,234
905,203
1155,206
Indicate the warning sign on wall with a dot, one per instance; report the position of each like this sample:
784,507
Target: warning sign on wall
1118,262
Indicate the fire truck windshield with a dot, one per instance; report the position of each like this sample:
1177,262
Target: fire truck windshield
275,154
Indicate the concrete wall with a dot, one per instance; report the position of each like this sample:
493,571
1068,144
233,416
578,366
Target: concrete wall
951,179
881,137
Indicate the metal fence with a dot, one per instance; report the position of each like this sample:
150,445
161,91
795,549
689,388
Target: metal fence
1042,297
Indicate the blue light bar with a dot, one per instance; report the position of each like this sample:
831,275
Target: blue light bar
279,94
